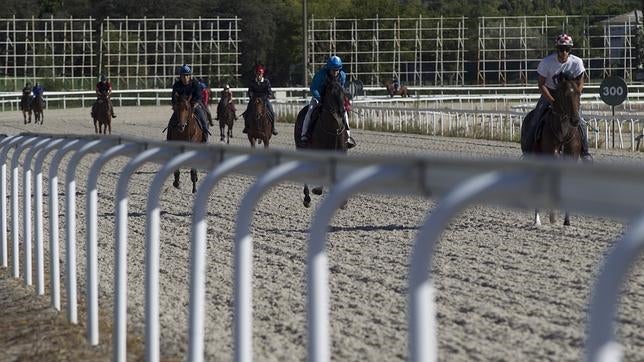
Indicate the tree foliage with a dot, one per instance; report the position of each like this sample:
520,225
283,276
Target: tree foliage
272,30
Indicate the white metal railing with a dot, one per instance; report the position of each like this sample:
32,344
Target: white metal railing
456,183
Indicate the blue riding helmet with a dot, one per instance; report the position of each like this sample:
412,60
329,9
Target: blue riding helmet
334,63
185,69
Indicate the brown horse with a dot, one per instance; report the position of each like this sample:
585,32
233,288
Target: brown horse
185,127
102,115
561,134
26,103
259,127
328,132
226,116
401,91
38,105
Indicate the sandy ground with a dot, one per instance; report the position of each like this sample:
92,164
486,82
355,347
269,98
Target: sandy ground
506,290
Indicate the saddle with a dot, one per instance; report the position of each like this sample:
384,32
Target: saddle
531,130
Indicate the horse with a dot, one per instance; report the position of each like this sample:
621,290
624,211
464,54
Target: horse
102,115
259,127
402,90
560,135
38,105
328,132
25,105
185,128
226,115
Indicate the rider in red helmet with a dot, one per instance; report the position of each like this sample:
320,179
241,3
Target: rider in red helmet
551,69
103,88
260,87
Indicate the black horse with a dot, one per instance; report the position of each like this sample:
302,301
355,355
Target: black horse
560,135
327,126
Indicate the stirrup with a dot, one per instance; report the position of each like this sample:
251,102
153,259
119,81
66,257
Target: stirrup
587,158
351,143
274,132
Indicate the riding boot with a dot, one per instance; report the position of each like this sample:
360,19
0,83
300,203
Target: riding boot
585,155
306,125
351,143
273,127
245,124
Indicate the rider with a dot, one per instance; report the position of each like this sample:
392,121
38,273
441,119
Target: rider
226,100
26,93
103,88
333,68
205,96
396,83
260,87
186,86
38,90
550,69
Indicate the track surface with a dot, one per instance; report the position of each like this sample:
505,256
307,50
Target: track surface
506,290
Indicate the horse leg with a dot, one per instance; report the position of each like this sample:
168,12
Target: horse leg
194,178
553,217
566,219
95,126
307,196
318,190
24,115
109,127
537,219
176,183
221,133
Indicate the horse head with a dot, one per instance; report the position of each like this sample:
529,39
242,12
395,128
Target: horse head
183,109
333,99
259,108
567,101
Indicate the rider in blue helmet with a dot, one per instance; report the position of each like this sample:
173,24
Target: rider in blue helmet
189,87
332,68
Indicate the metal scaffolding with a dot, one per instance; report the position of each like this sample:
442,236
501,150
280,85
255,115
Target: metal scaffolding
416,50
46,50
143,53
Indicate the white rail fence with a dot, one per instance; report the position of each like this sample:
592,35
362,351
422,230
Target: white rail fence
456,183
491,116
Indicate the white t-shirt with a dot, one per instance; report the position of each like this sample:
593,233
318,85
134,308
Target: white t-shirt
550,68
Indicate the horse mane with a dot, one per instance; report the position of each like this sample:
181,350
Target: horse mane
566,97
333,97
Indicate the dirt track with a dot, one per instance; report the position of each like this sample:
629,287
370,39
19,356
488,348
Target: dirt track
506,290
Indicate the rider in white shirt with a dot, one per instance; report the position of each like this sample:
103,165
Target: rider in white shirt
550,69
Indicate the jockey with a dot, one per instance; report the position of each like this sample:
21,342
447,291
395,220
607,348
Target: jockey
333,68
396,83
260,87
226,100
186,86
550,69
38,90
205,96
26,94
104,88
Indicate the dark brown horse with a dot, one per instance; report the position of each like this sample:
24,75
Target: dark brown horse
226,115
38,105
328,132
259,127
102,115
401,91
26,102
185,128
561,135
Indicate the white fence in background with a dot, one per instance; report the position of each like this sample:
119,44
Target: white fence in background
468,114
456,183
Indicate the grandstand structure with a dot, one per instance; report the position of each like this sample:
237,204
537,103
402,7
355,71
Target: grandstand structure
70,53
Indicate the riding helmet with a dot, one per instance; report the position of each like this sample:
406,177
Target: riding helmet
185,69
334,63
103,78
259,69
563,40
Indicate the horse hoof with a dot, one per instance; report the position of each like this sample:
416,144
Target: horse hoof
344,205
176,184
307,201
566,222
317,190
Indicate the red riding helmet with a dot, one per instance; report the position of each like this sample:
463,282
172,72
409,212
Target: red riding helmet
259,69
563,40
